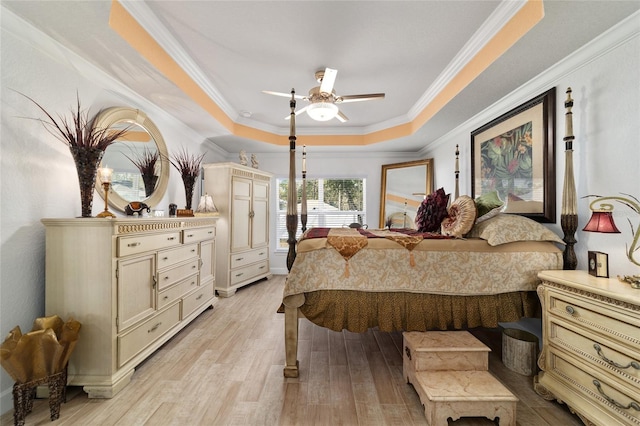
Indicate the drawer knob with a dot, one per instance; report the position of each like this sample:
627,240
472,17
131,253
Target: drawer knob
570,309
632,404
154,328
189,235
199,297
165,258
240,274
165,298
238,259
407,351
133,244
632,364
171,238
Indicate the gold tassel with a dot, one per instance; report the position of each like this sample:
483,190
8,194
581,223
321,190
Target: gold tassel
412,261
346,269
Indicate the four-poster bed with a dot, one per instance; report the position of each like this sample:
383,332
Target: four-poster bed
355,279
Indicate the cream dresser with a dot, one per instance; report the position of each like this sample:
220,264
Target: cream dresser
590,358
132,283
241,195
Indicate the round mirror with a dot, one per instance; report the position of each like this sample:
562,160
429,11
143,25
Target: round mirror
139,159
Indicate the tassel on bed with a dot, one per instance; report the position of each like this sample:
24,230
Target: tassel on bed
412,261
346,269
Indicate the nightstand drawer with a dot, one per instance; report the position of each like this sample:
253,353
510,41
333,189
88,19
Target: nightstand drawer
618,401
174,256
611,323
595,350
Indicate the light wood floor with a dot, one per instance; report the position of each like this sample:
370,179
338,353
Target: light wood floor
226,369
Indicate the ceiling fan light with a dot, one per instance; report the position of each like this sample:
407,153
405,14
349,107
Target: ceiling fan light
322,111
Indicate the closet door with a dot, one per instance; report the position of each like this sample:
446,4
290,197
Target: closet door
241,214
260,220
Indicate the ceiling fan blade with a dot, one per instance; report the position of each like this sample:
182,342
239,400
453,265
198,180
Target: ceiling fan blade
328,80
298,112
284,95
359,98
343,118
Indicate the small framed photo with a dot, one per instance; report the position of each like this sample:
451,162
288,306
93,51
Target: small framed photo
598,264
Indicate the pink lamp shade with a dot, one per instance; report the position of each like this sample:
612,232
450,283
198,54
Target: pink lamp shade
602,221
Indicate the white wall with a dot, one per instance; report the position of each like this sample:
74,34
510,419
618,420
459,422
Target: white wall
604,78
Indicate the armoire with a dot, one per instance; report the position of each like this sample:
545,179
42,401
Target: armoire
241,195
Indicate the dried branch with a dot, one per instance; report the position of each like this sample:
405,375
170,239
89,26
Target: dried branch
80,130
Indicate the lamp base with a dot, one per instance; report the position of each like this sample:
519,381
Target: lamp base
633,280
106,213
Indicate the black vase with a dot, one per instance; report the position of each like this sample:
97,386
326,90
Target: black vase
149,184
87,161
189,183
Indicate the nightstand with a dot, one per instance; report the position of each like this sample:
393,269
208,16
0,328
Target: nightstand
590,358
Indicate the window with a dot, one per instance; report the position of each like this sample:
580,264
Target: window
330,203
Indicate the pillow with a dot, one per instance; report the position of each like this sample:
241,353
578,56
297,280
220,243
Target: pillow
489,215
506,228
487,202
432,211
461,217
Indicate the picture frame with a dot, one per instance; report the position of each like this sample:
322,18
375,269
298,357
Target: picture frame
598,264
514,155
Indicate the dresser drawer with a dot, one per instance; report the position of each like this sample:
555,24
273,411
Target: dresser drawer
248,257
596,351
141,243
130,344
177,273
598,390
167,258
604,319
198,234
175,292
243,274
196,299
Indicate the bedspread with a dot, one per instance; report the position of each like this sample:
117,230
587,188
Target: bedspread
393,262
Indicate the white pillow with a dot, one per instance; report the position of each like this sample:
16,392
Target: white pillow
506,228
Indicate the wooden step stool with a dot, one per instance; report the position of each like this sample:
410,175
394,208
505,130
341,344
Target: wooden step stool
449,370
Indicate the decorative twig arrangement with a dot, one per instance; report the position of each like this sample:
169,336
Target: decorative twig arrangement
79,131
189,167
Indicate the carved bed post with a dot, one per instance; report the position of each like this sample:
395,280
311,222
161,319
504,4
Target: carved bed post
303,208
457,172
292,199
569,215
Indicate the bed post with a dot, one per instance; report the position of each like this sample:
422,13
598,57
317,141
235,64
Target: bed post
292,199
303,207
457,172
569,215
291,304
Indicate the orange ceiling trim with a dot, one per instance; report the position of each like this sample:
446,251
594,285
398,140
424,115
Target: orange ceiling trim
125,25
130,30
524,20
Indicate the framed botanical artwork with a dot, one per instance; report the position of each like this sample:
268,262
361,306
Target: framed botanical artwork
514,155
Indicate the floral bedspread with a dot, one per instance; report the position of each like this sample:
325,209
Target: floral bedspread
389,261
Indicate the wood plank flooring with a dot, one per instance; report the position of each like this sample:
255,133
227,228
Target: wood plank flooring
226,369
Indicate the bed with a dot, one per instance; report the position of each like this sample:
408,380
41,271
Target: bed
403,279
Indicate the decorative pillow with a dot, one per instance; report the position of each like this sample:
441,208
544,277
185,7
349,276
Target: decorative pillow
507,228
432,211
487,202
489,215
462,215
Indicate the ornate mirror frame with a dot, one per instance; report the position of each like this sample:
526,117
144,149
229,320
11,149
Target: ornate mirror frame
120,115
403,188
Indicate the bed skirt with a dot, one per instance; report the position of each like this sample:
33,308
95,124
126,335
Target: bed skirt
358,311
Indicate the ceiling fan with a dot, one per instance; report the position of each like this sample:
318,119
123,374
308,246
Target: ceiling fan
323,98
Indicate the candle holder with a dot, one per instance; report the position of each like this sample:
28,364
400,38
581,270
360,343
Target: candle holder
105,178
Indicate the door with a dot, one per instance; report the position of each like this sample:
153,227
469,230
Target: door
241,214
260,220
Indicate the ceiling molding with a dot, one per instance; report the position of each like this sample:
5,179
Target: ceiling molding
487,31
156,29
